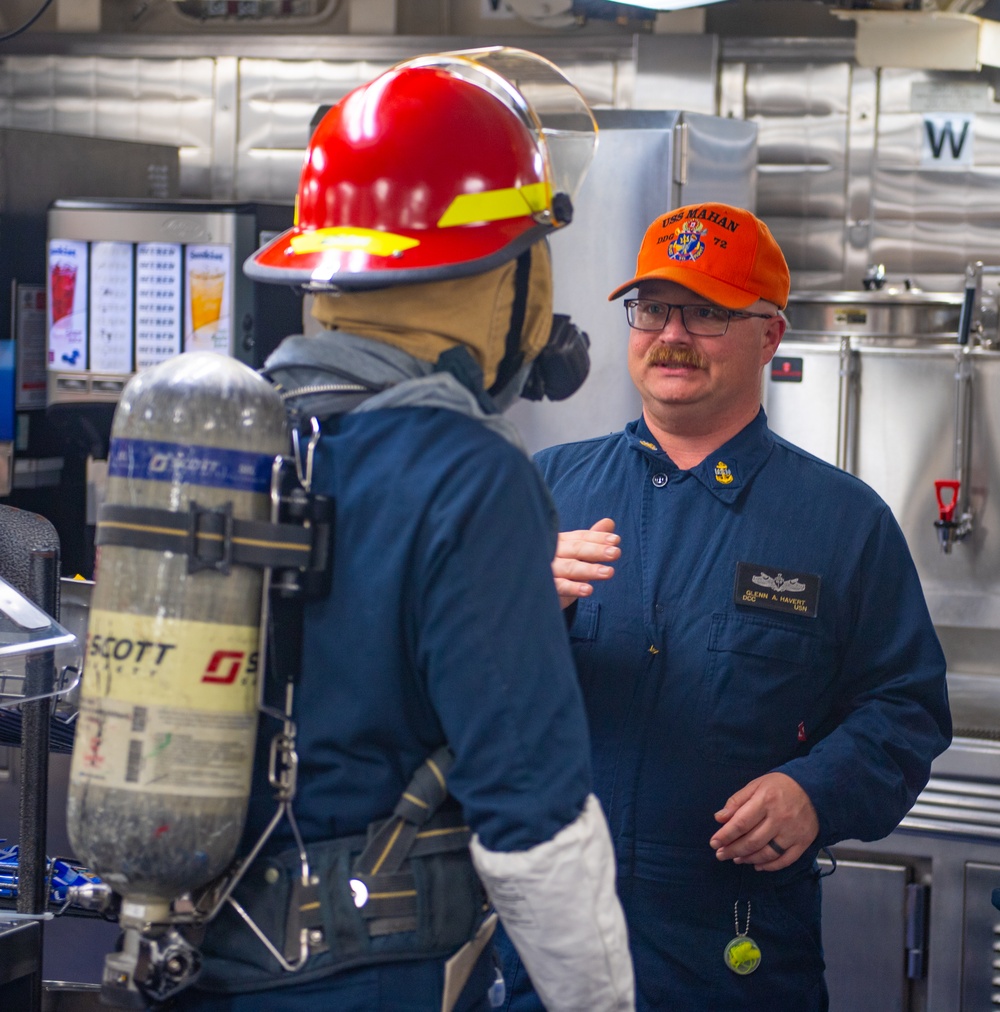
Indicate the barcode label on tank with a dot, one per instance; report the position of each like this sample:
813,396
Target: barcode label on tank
134,764
178,751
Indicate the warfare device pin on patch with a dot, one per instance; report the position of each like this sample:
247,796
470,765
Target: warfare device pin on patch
775,590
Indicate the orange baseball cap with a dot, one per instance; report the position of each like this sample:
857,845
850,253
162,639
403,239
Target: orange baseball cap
723,253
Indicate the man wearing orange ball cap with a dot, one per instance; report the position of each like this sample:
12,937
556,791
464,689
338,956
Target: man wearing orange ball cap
761,674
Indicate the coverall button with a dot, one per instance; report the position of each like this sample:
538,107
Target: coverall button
659,479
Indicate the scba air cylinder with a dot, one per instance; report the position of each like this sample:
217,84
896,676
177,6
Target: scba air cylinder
164,746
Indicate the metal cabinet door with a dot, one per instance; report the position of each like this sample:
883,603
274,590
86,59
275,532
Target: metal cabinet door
864,937
980,939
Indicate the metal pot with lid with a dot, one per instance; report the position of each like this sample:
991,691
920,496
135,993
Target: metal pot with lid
898,314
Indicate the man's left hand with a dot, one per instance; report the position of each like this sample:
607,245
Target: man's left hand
771,814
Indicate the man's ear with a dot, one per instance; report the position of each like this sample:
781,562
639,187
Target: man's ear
771,338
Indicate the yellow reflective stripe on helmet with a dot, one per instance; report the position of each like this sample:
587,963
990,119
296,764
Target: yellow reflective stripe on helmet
380,244
496,205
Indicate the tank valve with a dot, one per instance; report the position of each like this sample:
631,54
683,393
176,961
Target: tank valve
151,967
949,529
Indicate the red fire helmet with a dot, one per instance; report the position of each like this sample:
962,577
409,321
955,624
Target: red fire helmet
439,168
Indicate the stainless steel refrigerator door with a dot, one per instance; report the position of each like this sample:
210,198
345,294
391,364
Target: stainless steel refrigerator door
864,936
629,183
717,160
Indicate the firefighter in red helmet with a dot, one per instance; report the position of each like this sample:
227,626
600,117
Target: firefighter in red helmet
443,755
392,194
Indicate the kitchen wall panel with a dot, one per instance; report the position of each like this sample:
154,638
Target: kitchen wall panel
801,111
163,101
242,122
841,176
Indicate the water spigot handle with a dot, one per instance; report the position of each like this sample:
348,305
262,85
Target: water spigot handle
947,498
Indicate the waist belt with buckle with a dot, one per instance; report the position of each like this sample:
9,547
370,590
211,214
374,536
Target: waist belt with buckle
405,890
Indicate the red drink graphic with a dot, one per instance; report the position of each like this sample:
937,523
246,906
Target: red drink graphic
63,290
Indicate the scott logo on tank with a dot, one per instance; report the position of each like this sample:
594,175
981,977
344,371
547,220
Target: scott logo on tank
225,665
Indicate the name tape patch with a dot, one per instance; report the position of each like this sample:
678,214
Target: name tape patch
766,587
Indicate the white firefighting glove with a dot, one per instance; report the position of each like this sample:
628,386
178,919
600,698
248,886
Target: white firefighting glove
558,904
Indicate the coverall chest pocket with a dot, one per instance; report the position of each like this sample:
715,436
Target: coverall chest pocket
766,685
582,637
584,625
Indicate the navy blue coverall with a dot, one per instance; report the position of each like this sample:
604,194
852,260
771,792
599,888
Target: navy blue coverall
442,626
765,615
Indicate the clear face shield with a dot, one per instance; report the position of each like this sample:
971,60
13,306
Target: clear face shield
550,107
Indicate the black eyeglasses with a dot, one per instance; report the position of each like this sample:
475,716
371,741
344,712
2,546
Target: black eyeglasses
699,320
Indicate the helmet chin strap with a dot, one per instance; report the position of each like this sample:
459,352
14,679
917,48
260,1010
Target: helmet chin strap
559,368
513,357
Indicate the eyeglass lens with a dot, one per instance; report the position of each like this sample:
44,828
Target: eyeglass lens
705,321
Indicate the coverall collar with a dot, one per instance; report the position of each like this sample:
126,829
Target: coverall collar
726,471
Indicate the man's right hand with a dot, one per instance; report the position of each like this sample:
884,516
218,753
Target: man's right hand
582,557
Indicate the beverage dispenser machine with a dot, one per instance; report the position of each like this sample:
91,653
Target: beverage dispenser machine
132,282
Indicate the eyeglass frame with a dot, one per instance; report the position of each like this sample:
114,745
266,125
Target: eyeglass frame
738,314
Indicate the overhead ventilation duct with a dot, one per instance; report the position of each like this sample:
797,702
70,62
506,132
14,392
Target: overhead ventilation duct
924,39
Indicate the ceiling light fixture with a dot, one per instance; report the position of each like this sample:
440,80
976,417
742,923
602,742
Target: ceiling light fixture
667,5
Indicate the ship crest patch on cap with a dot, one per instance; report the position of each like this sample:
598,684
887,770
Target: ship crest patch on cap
687,243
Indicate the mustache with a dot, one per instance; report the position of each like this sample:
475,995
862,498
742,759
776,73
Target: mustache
665,354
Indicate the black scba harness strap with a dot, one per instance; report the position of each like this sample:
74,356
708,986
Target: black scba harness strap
405,890
390,845
383,885
210,537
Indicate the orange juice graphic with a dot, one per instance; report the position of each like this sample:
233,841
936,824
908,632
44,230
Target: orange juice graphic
63,290
207,284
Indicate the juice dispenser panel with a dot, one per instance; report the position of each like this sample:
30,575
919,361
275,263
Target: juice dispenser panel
158,286
67,299
132,283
